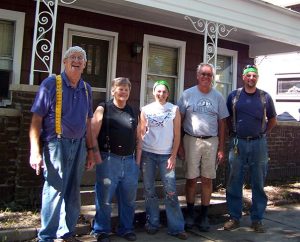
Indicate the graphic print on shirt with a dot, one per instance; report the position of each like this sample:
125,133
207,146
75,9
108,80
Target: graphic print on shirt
159,119
204,105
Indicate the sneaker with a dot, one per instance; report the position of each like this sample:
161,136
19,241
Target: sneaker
103,237
258,227
182,235
204,225
130,236
231,224
69,239
189,222
150,230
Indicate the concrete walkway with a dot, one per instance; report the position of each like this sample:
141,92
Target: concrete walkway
282,224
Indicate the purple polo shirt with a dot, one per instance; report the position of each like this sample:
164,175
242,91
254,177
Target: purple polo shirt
76,107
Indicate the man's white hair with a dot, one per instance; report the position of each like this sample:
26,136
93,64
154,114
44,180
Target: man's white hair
75,49
213,70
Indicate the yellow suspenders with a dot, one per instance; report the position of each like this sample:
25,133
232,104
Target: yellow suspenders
58,106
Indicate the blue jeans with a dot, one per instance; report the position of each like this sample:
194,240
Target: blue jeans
115,175
64,165
150,162
252,155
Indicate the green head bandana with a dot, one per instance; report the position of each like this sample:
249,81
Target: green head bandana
250,69
161,82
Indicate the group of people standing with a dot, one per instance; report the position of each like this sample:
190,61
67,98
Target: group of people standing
122,143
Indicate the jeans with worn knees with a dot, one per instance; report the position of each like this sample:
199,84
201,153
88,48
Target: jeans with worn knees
64,161
116,175
252,155
150,162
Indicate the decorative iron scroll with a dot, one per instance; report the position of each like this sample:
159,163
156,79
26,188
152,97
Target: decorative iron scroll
212,31
68,2
44,36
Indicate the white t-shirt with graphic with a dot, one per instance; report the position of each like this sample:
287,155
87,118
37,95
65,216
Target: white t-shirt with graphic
159,134
202,111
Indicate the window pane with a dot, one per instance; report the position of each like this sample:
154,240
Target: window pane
6,37
288,86
162,60
95,72
223,77
6,56
162,65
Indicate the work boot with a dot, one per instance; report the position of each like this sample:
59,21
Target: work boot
258,227
231,224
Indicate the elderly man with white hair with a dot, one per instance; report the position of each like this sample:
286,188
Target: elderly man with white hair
62,113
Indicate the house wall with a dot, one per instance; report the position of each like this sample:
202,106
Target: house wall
283,143
272,67
129,31
18,182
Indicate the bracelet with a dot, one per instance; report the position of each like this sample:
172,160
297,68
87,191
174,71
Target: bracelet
94,149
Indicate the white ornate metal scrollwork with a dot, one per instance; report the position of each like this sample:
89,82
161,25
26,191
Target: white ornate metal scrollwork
44,36
68,2
211,32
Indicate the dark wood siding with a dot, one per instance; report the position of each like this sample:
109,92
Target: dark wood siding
129,32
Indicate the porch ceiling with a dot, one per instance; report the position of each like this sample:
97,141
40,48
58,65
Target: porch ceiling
266,28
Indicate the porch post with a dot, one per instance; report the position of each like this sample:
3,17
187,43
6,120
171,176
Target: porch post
44,36
212,31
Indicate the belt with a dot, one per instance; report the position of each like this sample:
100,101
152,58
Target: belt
201,136
250,137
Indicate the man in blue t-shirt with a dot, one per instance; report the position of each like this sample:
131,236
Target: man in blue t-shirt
252,115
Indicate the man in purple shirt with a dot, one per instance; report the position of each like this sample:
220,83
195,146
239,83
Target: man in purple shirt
66,144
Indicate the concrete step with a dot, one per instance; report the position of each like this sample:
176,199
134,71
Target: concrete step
88,194
217,207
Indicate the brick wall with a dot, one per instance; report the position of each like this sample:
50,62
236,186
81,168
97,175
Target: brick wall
284,152
18,181
20,185
9,136
28,185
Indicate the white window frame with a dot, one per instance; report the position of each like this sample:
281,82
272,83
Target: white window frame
234,55
291,97
181,45
18,18
112,37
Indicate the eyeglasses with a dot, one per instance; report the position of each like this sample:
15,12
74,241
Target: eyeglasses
203,74
250,66
76,58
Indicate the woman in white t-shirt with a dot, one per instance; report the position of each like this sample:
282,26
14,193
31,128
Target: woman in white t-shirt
159,140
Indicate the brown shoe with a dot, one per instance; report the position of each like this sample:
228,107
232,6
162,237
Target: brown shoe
231,224
182,235
258,227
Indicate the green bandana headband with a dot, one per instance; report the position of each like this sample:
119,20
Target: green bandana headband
250,69
161,82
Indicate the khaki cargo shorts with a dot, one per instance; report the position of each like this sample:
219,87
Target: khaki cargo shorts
200,157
